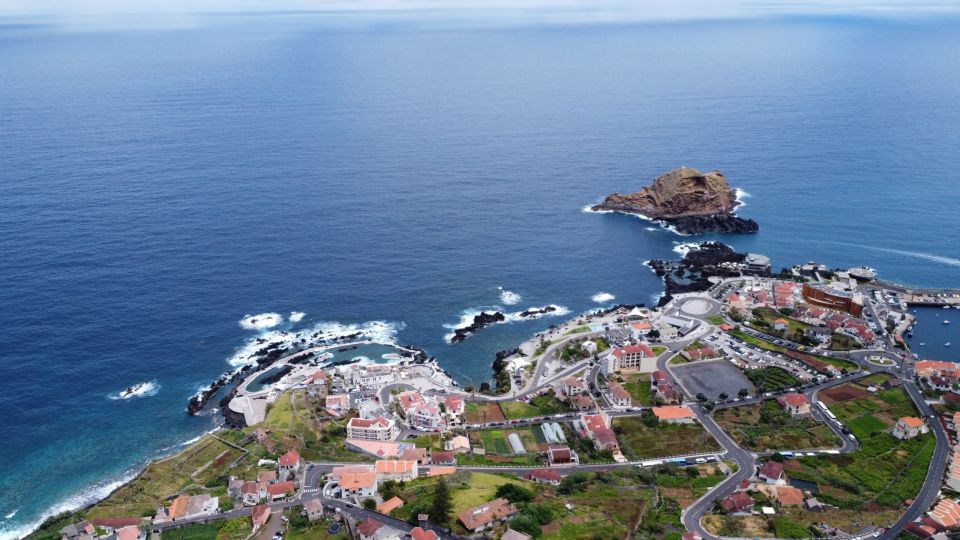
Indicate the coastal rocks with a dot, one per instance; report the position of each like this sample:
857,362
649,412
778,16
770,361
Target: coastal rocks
687,200
716,223
480,321
536,312
690,274
501,376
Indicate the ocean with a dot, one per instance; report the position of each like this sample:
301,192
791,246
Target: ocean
158,185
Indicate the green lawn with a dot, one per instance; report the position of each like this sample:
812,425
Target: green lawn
716,320
658,350
638,441
761,343
638,385
468,490
578,330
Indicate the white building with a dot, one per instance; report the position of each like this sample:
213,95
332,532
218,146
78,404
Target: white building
377,429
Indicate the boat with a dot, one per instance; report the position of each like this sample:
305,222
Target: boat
947,344
922,343
946,321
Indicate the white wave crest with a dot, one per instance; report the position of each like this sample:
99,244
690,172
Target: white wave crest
603,297
11,514
320,334
144,389
263,321
296,316
76,501
686,247
509,298
467,316
740,196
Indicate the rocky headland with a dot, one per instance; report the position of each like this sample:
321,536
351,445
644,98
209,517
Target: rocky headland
692,273
687,200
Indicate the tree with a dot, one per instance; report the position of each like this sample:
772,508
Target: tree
369,504
653,334
470,388
723,396
388,489
701,398
693,472
743,392
515,493
526,524
442,505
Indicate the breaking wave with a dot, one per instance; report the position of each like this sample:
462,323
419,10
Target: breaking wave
296,316
467,315
509,298
144,389
324,333
603,297
740,196
686,247
263,321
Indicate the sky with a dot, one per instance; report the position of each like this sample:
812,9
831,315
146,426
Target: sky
624,9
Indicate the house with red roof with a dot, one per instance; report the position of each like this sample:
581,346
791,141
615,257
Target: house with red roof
259,516
562,455
908,427
737,502
419,533
544,476
289,465
281,490
701,353
795,404
597,429
618,395
773,472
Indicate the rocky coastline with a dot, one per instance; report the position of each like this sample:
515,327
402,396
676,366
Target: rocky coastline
686,200
692,272
480,321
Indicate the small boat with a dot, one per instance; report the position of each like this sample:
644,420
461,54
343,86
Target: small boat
922,343
947,344
946,321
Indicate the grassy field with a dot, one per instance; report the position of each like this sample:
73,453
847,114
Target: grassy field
771,379
842,342
483,412
294,422
467,489
716,320
658,350
638,441
768,315
607,506
768,427
542,405
870,485
166,478
227,529
638,385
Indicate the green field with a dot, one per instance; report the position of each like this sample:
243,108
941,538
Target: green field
638,385
639,441
768,427
760,343
578,330
716,320
227,529
771,379
495,440
543,405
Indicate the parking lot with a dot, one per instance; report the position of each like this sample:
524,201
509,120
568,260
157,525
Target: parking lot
712,378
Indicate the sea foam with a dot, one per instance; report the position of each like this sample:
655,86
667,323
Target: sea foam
263,321
296,316
685,247
467,316
603,297
323,333
144,389
509,298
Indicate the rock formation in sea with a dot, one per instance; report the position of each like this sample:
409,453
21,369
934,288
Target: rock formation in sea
688,200
692,273
479,321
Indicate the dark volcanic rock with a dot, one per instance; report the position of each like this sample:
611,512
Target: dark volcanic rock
480,321
691,273
716,223
537,311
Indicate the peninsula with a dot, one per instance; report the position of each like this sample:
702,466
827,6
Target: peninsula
687,200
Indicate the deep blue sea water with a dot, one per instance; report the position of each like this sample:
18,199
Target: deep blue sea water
158,185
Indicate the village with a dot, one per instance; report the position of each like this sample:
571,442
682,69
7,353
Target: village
762,407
